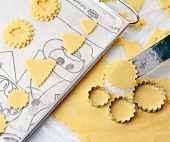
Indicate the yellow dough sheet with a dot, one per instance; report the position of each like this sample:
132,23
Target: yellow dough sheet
92,124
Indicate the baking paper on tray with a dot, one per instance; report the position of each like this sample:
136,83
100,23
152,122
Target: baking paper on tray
47,44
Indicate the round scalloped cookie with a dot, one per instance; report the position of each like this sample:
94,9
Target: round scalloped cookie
18,99
3,122
149,96
121,74
18,33
121,110
45,10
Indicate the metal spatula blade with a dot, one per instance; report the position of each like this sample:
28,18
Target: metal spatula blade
152,57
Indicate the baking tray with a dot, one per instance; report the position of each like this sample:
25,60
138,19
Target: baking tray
47,44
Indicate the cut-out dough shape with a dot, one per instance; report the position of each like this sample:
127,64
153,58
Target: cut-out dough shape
82,119
149,97
121,110
72,42
18,99
98,96
39,70
88,26
45,10
3,122
121,74
138,25
136,4
156,36
18,33
132,48
165,83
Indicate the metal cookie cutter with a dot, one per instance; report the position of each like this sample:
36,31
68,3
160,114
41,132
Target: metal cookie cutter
128,118
98,105
152,83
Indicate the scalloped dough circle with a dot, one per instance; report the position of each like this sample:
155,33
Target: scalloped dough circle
88,26
72,42
18,99
39,70
121,74
45,10
122,110
148,96
18,33
3,122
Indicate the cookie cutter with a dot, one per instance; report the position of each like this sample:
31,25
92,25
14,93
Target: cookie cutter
98,88
128,101
152,83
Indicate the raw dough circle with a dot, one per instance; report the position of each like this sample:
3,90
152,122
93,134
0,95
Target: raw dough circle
3,122
121,74
149,96
121,110
18,33
45,10
18,99
98,99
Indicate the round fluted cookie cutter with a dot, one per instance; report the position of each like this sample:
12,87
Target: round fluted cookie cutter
152,83
128,101
98,88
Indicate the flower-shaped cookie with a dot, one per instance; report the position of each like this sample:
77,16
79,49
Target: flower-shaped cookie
18,99
45,10
18,33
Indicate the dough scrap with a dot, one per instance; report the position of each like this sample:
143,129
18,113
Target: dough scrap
18,33
136,4
164,3
138,25
121,74
132,48
45,10
88,26
72,42
18,99
157,36
123,14
91,124
119,41
39,70
3,122
167,12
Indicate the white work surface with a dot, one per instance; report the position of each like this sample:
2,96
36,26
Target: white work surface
53,130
